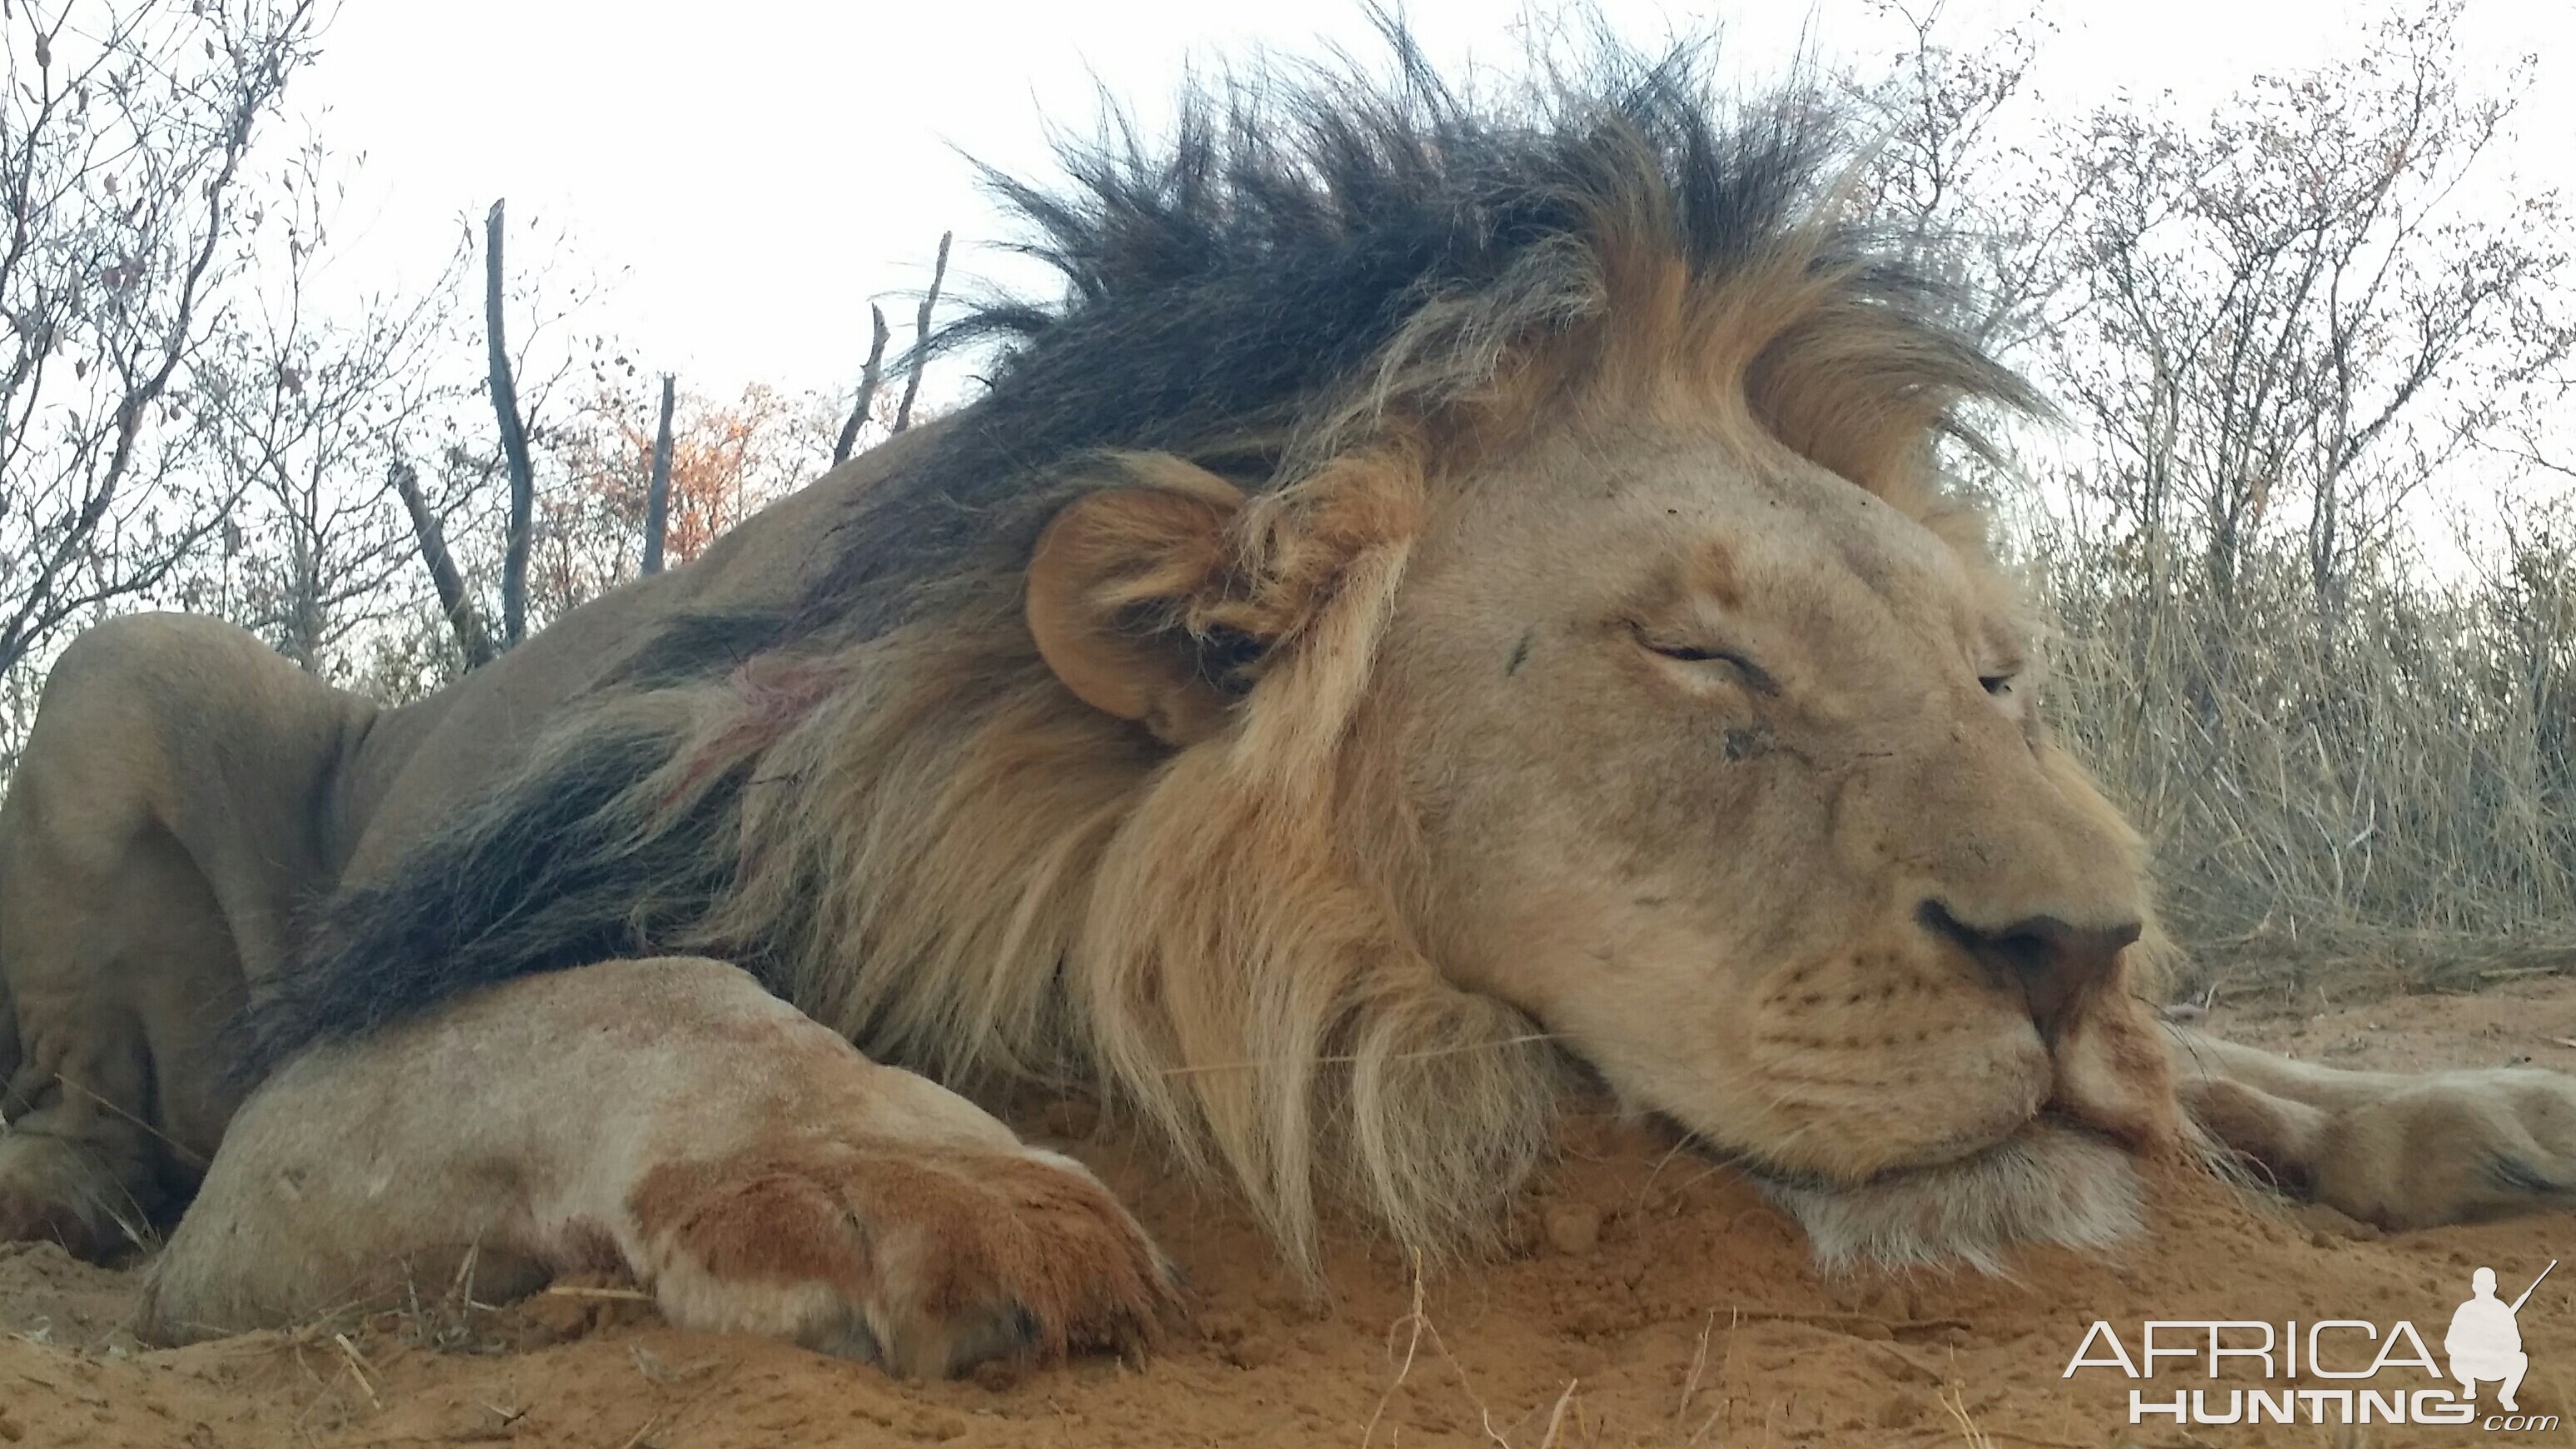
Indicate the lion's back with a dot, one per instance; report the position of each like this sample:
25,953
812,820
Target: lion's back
420,761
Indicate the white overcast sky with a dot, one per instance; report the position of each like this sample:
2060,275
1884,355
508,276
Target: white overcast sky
757,171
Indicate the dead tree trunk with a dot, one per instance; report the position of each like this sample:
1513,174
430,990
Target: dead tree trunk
453,601
657,492
869,378
921,335
514,444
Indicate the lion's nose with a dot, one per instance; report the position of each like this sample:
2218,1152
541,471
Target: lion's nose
2054,961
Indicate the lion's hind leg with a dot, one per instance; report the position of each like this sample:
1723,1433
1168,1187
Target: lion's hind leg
669,1118
82,1159
161,824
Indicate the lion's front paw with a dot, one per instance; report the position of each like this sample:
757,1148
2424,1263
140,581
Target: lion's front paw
923,1261
2452,1147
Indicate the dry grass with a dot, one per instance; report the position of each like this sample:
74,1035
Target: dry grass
2380,796
1954,1405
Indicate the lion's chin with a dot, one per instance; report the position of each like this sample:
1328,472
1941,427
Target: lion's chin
2051,1182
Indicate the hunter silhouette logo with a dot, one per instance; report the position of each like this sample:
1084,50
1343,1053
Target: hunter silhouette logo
2325,1370
2485,1341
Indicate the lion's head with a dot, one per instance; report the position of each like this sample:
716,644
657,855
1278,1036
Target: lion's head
1525,554
1613,653
1720,767
1725,773
1456,594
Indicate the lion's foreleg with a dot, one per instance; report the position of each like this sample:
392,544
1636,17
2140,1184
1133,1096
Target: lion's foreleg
672,1120
2402,1150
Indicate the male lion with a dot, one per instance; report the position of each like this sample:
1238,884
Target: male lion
1458,592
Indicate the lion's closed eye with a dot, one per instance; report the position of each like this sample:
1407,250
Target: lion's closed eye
1701,652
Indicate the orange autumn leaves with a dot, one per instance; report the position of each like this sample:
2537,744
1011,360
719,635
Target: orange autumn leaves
727,459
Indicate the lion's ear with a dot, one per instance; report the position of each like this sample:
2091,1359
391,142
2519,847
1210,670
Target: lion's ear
1124,591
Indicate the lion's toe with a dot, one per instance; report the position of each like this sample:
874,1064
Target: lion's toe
1078,1271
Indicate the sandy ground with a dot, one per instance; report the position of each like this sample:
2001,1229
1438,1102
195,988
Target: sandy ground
1648,1300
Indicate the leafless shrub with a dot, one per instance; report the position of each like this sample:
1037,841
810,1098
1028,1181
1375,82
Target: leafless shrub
123,141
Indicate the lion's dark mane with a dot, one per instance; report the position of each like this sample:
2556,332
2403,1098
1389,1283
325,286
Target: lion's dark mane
1223,288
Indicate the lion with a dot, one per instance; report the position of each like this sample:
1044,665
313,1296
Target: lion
1456,611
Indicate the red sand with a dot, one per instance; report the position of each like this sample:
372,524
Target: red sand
1650,1300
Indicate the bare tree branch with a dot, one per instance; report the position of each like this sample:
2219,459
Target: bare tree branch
514,443
657,492
921,335
453,601
869,378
